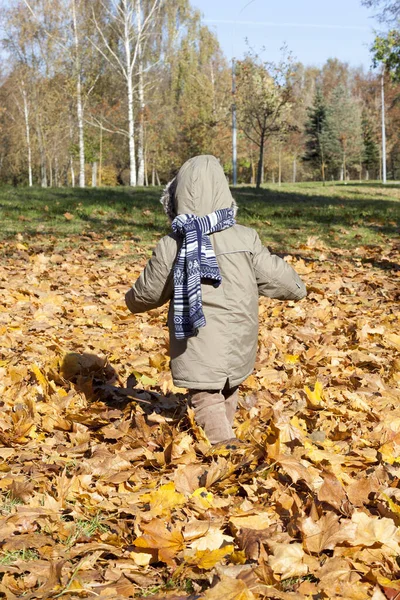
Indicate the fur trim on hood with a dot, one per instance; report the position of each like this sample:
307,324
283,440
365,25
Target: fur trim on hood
168,200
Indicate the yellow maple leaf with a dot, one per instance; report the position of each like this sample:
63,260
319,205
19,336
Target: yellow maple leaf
203,498
314,397
207,559
291,359
40,378
164,499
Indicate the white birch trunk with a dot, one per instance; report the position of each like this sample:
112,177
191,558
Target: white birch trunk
140,94
72,172
94,174
79,106
129,83
56,177
27,132
43,169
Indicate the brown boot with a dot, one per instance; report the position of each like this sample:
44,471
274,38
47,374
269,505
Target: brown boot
231,402
210,412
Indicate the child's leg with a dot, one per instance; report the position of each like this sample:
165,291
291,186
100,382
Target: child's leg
231,402
210,412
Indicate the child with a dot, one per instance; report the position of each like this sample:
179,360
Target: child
212,271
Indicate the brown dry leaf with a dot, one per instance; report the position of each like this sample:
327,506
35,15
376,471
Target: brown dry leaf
288,560
325,533
187,478
257,522
332,491
229,589
156,535
369,531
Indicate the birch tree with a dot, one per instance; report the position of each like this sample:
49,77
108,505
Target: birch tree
130,26
53,22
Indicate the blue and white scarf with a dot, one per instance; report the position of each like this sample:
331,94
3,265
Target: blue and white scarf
196,261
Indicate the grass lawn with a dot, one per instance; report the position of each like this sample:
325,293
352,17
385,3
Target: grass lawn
345,216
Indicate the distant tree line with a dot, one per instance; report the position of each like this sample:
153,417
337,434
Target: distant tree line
122,92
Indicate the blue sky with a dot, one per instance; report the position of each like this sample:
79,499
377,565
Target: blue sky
314,30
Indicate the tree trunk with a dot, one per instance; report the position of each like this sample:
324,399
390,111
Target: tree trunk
129,86
260,164
42,153
27,133
158,179
279,166
153,177
344,168
132,165
294,170
79,106
101,153
72,172
56,174
94,174
141,169
146,174
50,173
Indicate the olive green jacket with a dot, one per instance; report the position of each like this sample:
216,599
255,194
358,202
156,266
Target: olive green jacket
224,351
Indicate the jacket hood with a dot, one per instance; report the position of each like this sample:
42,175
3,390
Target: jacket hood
200,188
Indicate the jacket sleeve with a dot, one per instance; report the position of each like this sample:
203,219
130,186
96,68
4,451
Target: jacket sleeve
154,287
275,277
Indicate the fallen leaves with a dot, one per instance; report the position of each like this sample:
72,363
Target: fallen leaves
109,488
166,541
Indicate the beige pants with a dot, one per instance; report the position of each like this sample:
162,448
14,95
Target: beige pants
215,411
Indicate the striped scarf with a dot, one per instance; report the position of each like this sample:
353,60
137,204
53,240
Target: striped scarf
195,262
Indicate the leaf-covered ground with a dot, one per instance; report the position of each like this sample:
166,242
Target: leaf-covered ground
109,490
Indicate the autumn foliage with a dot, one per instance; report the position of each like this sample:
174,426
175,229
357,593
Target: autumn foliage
109,489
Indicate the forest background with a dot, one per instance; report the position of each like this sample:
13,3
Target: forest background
112,93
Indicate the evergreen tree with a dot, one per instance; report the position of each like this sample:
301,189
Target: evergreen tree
371,150
342,134
315,151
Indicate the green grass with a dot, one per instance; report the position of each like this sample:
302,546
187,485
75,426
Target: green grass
87,528
7,504
9,557
340,215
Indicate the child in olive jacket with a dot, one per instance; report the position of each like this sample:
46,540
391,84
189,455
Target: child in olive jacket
212,271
